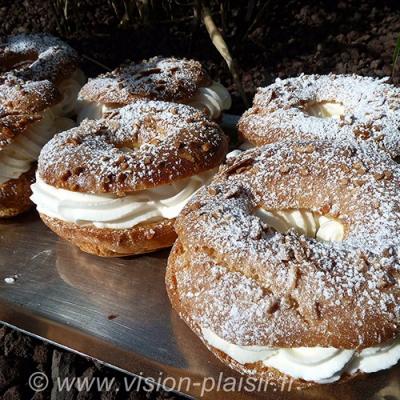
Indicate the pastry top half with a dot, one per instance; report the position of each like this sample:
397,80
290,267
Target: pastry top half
158,78
326,107
141,146
255,269
31,68
37,57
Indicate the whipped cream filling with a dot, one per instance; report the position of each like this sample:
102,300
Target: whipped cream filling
110,211
210,99
237,152
316,364
92,110
304,222
69,89
324,109
17,157
213,100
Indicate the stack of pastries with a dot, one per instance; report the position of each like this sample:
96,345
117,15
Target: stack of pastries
146,142
287,266
285,257
167,79
39,83
114,186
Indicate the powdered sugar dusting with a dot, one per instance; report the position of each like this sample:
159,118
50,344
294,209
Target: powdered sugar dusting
41,57
167,79
255,286
371,111
142,145
30,68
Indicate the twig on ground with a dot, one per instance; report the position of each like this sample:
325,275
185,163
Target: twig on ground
396,55
219,43
257,19
54,5
96,62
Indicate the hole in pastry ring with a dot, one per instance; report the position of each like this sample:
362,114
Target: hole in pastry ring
37,57
143,145
254,286
159,78
365,110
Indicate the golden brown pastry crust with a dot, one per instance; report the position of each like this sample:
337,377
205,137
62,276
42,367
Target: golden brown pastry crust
21,104
142,238
370,111
15,194
31,66
257,370
165,142
288,290
159,78
37,57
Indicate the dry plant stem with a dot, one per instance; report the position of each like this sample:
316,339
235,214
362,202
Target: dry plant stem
59,19
143,10
66,10
96,62
219,43
257,19
114,7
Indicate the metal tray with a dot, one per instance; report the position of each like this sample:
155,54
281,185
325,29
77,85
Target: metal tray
117,311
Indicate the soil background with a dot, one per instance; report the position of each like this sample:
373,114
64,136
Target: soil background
268,39
21,356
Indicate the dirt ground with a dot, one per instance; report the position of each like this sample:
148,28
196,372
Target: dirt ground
21,356
288,38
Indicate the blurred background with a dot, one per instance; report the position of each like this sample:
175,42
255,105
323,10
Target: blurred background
264,39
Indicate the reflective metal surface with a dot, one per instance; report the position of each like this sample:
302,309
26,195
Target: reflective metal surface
117,311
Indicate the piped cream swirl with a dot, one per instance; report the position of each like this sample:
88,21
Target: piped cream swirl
18,156
316,364
92,110
304,222
213,100
69,89
110,211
